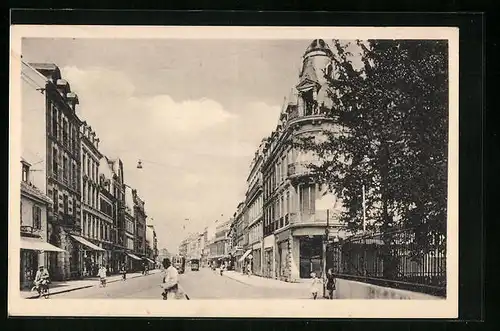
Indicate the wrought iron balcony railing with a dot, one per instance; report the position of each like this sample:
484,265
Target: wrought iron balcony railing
299,168
30,230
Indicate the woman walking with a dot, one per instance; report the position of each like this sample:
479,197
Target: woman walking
331,283
315,285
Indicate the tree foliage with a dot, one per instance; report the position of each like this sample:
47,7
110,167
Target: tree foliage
392,134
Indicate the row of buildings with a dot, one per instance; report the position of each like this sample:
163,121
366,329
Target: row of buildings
279,227
76,209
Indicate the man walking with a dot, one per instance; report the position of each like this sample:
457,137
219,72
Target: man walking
170,281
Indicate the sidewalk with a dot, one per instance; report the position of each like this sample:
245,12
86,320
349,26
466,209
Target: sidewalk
72,285
259,281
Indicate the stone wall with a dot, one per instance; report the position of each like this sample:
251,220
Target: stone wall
347,289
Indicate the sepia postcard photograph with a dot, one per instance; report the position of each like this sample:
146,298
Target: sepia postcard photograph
169,171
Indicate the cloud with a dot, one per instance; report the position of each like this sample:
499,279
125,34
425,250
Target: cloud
196,154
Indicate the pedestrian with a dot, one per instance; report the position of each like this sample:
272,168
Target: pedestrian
331,283
124,272
170,282
102,276
249,269
222,268
315,285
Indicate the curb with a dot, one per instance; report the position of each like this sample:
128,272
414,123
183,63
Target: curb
84,287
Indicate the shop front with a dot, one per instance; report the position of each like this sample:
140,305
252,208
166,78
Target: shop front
91,256
308,246
268,262
237,254
257,259
34,253
283,257
133,262
108,257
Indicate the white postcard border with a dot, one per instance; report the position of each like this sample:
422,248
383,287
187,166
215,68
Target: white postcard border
444,308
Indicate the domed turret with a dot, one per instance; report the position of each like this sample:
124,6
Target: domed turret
317,66
317,47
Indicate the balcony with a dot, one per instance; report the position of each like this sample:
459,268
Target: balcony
30,231
317,217
299,169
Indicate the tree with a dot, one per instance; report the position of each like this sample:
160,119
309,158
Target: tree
392,132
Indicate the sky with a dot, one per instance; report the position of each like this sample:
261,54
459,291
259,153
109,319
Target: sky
194,112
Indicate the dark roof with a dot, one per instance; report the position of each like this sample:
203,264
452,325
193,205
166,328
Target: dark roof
34,191
309,72
318,45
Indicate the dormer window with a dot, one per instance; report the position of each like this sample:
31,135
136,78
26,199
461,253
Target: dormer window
310,104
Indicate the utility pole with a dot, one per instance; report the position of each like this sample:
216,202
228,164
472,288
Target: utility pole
325,245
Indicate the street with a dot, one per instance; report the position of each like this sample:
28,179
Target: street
203,284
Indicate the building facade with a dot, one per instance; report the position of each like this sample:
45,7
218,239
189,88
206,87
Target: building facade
151,245
132,261
118,232
254,203
219,247
239,237
107,203
35,250
140,225
295,206
62,149
91,235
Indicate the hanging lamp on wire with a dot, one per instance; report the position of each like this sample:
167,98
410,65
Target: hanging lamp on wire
139,164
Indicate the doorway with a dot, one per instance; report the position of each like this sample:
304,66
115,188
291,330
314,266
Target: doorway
310,256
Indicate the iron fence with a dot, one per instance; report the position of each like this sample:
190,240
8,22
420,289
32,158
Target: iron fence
394,259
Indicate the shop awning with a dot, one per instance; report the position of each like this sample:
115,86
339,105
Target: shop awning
245,255
87,243
36,244
150,260
134,256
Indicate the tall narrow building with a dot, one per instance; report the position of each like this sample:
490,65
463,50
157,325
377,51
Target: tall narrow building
62,167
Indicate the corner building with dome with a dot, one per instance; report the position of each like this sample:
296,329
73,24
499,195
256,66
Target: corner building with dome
294,205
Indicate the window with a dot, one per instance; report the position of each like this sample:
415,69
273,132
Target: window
54,121
65,133
65,169
37,217
88,168
106,208
73,141
84,224
89,194
84,162
56,201
101,230
55,165
65,204
307,199
75,177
